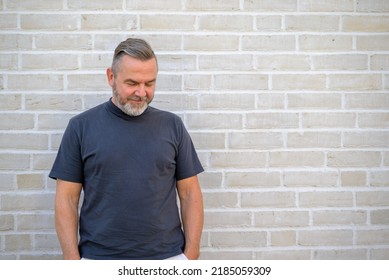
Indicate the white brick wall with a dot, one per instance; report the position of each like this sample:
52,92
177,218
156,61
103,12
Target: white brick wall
286,100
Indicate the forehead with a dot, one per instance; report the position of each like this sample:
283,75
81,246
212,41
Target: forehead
129,64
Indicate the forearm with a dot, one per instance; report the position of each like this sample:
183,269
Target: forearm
192,215
66,221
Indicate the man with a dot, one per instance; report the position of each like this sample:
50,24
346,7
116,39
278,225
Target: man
129,159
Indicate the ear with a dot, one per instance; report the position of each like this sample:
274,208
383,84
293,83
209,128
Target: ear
110,77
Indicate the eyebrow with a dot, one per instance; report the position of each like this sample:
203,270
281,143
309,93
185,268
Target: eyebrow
136,82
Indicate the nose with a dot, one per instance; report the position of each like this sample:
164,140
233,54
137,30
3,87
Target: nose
141,91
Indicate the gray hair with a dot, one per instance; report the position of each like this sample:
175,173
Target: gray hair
136,48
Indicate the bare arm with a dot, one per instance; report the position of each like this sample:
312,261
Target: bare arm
192,214
66,217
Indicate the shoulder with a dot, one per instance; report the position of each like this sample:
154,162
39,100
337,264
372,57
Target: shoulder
89,114
163,115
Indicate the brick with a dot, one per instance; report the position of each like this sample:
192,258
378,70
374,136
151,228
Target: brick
346,254
98,61
353,179
379,217
197,82
49,62
366,23
23,141
340,62
34,5
43,161
255,140
53,102
327,43
379,254
171,62
7,182
49,22
298,254
153,5
329,120
267,101
53,121
379,178
211,43
55,141
298,82
371,139
35,82
16,121
226,62
87,82
379,62
353,159
7,223
340,217
9,62
309,139
314,101
326,6
211,180
372,199
250,82
373,43
163,42
46,242
57,42
238,159
15,42
169,82
321,23
28,202
96,5
206,140
325,199
214,121
212,5
355,82
325,238
283,238
268,199
238,239
221,254
367,101
108,22
372,6
373,120
372,237
269,43
282,62
296,159
10,161
18,242
10,102
310,179
226,23
9,22
175,102
282,219
272,120
227,219
30,181
270,6
227,102
167,22
35,222
266,23
220,200
252,179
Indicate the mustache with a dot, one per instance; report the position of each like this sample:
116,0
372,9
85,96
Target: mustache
136,98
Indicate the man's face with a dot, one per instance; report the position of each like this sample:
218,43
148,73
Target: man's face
134,84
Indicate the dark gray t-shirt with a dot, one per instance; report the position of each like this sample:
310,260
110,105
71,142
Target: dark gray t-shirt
128,167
